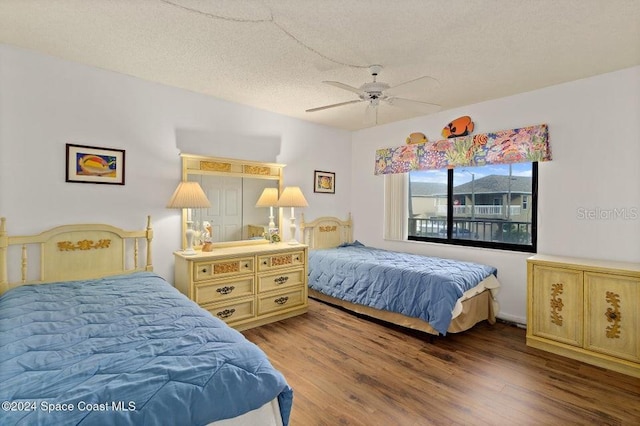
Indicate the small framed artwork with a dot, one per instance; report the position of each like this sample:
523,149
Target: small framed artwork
90,164
324,182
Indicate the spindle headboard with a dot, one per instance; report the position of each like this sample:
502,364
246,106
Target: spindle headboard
72,252
326,232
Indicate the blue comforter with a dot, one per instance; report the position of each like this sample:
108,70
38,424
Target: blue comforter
412,285
125,350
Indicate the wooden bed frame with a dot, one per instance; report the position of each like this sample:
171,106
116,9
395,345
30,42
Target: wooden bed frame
476,304
72,252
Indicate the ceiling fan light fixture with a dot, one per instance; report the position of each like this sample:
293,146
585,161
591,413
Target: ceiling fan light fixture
375,87
374,91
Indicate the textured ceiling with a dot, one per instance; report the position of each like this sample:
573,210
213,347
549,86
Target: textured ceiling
274,54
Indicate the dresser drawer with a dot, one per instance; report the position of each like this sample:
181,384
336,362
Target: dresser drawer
215,291
246,285
280,301
233,311
282,279
222,268
281,260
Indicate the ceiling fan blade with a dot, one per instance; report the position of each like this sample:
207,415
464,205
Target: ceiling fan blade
333,105
421,83
418,106
344,86
371,114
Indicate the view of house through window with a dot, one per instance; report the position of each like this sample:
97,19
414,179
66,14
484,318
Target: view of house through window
488,206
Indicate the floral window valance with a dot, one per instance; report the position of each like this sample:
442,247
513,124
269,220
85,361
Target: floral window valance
527,144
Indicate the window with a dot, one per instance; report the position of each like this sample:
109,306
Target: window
489,206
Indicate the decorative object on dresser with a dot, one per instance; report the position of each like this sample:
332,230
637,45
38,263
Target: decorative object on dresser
292,197
246,286
207,236
585,309
188,195
269,198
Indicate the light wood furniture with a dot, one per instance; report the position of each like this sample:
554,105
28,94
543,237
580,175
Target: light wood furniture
246,286
72,252
476,305
588,310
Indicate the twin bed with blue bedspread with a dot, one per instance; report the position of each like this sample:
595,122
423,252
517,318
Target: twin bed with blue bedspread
431,294
125,349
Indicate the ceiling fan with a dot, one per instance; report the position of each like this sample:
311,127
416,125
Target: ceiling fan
376,92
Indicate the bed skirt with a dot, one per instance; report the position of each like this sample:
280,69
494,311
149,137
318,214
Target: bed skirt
475,309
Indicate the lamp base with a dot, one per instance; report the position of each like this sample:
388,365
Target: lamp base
189,235
292,242
189,252
292,229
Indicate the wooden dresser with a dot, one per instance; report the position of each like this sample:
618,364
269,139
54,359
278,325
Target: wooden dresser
246,286
588,310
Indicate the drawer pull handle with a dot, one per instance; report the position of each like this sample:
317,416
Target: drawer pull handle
225,289
613,314
264,262
281,300
246,265
204,270
281,280
226,313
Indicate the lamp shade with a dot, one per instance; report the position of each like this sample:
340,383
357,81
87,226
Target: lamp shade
292,197
188,195
269,198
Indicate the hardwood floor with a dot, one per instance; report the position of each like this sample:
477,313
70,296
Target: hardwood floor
347,370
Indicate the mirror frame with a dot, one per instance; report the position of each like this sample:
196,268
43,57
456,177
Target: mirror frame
219,166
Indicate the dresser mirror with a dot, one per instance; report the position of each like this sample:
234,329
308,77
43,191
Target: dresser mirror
233,188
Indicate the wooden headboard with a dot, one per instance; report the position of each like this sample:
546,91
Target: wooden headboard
326,232
72,252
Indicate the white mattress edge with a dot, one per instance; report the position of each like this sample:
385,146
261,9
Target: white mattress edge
267,415
491,283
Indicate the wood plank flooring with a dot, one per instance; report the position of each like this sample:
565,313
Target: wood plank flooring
347,370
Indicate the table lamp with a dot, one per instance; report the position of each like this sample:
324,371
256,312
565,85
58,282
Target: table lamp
292,197
269,198
188,195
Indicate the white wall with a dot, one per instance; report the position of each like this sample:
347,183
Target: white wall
47,102
594,128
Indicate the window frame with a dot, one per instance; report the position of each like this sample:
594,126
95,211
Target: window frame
450,240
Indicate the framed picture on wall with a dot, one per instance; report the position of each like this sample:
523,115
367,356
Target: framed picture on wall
324,182
90,164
